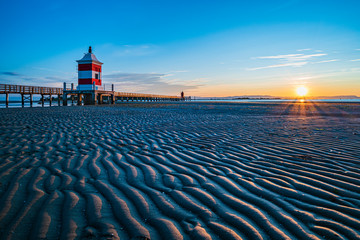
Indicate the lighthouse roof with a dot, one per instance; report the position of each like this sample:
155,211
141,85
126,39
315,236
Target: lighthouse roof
89,58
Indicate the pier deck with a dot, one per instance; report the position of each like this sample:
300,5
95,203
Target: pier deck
95,97
86,97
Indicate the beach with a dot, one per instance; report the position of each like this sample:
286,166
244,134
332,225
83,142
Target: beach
186,170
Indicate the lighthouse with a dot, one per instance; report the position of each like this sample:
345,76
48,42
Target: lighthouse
90,92
89,72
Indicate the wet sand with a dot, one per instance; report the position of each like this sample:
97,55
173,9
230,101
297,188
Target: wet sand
181,171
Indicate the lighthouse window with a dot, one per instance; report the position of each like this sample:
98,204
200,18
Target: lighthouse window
96,76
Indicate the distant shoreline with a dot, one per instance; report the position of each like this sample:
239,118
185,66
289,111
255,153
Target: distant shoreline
357,100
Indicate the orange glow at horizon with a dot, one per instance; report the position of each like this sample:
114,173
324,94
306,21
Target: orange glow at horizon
280,89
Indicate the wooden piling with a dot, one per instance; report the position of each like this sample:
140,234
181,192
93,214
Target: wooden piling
7,100
64,98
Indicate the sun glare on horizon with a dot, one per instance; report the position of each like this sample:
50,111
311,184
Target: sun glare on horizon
301,91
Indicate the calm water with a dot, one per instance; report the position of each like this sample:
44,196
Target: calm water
281,100
27,104
54,103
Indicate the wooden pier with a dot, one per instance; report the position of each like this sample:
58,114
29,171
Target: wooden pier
27,93
86,97
95,97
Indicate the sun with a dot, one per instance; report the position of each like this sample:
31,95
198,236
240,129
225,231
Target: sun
301,91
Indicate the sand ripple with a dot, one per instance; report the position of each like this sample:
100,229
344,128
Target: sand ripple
181,171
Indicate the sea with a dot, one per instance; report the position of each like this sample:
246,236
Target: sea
16,102
356,100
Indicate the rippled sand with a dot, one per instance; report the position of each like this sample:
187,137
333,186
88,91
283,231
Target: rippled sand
181,171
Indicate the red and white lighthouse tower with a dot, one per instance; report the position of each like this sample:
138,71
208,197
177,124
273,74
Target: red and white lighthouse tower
89,72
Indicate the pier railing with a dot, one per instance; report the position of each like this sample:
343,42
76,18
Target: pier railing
143,95
21,89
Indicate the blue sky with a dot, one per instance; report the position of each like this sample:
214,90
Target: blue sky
205,48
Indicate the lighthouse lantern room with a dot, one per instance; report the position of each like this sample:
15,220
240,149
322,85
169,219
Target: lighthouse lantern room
89,72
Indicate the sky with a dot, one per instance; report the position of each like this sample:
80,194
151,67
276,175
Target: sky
204,48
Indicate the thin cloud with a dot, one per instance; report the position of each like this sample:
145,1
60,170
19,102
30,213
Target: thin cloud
179,71
10,74
56,79
33,80
294,64
355,60
293,57
310,56
305,49
280,56
290,60
326,61
134,77
146,82
302,79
